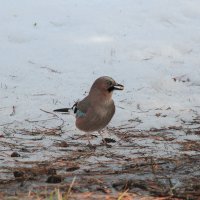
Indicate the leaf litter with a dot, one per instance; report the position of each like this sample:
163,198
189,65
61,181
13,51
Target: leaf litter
154,163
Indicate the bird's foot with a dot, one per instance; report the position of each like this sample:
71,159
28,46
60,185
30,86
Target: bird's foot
92,147
106,144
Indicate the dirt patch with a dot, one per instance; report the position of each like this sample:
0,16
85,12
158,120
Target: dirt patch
141,163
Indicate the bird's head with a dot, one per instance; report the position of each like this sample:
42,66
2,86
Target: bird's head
105,85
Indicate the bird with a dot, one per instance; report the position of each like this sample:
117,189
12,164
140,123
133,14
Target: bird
96,110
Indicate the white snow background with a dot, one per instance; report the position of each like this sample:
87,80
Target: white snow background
52,51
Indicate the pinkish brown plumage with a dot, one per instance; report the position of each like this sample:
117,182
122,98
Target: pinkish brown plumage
96,110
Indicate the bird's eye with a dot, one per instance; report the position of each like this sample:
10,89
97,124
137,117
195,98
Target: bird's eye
110,83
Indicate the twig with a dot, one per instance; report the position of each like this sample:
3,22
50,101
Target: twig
48,112
69,190
122,195
13,111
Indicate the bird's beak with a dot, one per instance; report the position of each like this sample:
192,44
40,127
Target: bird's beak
118,87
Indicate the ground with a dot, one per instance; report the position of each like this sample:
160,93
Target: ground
52,51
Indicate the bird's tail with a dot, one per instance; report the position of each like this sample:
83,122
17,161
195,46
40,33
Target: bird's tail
65,110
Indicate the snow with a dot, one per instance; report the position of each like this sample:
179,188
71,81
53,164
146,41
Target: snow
52,51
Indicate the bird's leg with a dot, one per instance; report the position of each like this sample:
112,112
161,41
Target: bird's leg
88,139
89,143
104,141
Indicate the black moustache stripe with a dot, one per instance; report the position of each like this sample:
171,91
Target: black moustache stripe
110,89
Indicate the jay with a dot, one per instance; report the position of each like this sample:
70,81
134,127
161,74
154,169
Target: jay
96,110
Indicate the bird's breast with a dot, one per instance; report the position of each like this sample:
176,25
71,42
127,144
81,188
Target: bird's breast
96,118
